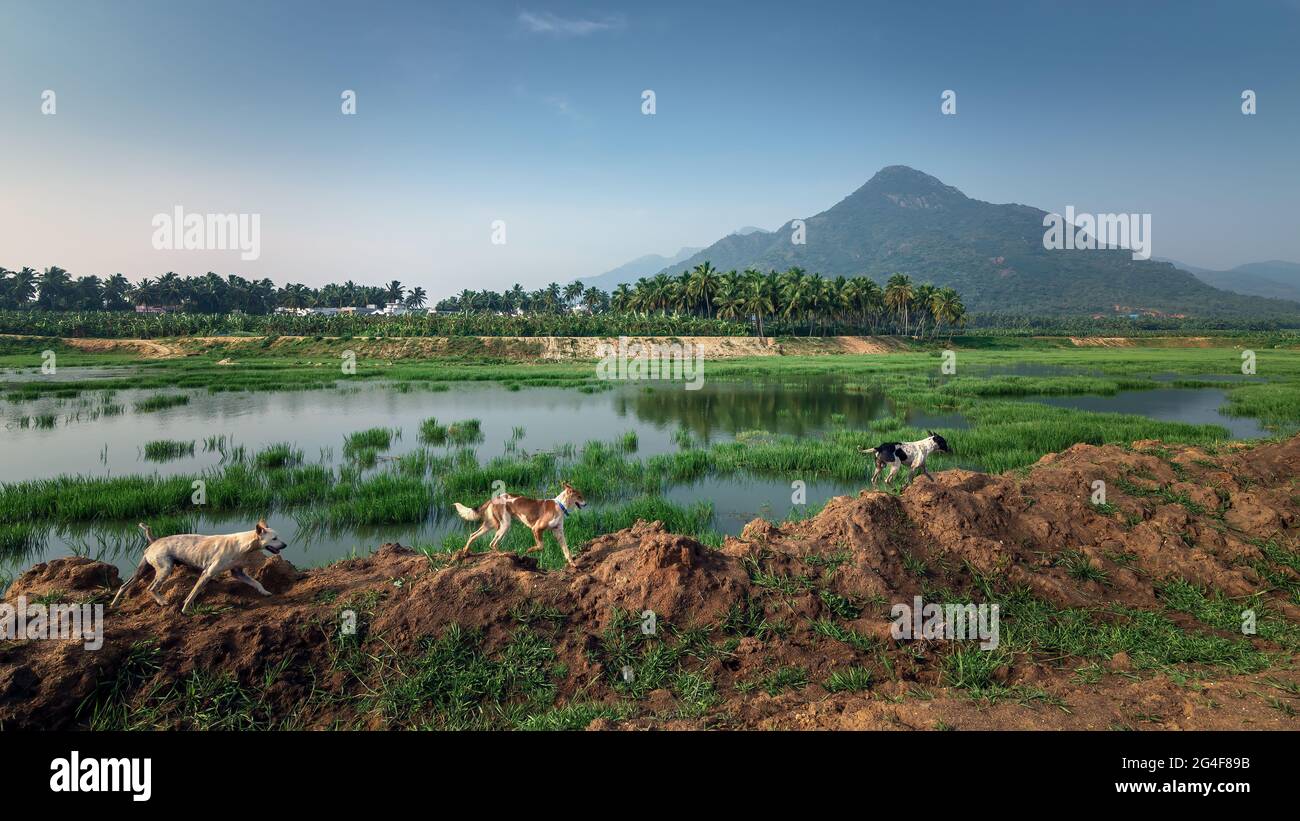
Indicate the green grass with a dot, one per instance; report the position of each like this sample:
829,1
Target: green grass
161,401
849,680
163,450
453,684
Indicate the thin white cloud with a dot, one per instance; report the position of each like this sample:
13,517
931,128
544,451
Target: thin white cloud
547,23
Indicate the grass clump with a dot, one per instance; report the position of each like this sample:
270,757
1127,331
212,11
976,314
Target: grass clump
164,450
161,401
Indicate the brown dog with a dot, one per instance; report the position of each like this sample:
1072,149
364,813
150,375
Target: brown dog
537,515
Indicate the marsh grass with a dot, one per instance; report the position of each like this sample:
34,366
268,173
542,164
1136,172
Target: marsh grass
161,401
164,450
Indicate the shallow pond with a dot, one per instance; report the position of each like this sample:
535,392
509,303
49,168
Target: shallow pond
519,422
1199,406
83,441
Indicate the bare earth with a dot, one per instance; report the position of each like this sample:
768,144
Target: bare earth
559,348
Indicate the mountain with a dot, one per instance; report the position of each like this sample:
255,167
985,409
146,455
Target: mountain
1276,278
905,221
637,268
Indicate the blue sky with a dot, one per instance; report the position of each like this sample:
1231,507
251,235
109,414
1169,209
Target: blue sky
531,113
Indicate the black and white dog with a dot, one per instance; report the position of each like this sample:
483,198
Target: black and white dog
912,454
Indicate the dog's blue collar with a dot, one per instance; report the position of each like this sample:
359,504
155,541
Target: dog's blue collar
562,507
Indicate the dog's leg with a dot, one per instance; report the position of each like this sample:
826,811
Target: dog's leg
483,528
502,530
893,471
564,543
160,573
239,573
204,578
139,571
538,529
876,475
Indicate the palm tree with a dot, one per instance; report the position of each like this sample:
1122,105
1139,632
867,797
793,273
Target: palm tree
622,298
758,295
393,291
947,308
924,294
796,295
572,293
702,283
22,288
55,289
517,298
553,297
871,301
898,296
593,299
466,301
661,290
416,298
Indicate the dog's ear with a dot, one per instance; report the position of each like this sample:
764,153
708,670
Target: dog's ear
261,526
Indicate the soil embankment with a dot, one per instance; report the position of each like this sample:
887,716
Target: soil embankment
563,348
1119,615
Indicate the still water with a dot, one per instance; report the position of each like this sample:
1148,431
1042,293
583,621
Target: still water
83,441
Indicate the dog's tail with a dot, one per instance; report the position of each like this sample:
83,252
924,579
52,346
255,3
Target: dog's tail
867,451
469,514
148,534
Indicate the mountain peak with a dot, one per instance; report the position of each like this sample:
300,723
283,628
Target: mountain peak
908,187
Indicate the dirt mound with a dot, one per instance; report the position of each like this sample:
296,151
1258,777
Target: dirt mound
1110,608
145,348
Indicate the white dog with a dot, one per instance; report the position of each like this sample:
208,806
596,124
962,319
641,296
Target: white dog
912,454
210,555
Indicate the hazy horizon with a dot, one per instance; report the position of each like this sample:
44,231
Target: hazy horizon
532,114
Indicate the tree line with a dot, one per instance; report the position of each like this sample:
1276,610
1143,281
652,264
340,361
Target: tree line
54,289
792,301
789,301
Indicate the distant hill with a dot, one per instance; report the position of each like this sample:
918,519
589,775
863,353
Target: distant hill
905,221
650,264
637,268
1276,278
